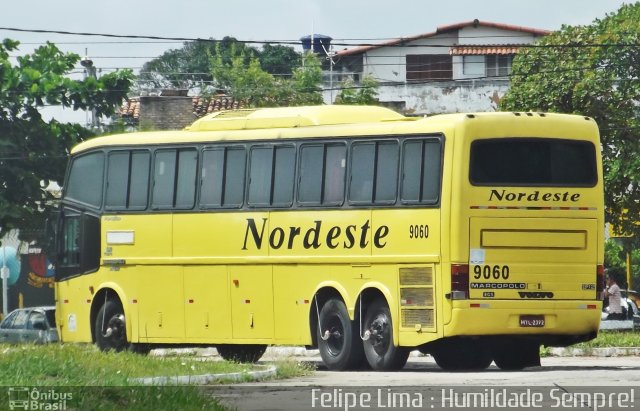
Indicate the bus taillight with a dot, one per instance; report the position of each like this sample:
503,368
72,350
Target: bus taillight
459,281
600,282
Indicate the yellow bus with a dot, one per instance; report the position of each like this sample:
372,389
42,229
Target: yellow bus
354,230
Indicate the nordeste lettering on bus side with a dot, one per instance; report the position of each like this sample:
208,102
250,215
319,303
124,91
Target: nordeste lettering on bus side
315,236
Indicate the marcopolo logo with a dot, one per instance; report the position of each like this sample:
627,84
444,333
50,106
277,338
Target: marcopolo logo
50,399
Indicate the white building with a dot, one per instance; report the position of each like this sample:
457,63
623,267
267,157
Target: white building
459,67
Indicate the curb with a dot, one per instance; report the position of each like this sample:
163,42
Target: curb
269,371
594,352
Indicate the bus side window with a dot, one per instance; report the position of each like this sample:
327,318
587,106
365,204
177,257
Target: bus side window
322,171
421,172
334,172
271,175
222,178
362,169
374,173
174,178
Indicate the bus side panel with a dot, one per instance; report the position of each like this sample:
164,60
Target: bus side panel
221,235
160,295
72,312
207,314
293,298
132,236
251,301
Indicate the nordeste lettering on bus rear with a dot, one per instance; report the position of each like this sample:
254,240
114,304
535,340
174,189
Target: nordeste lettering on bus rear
504,195
314,237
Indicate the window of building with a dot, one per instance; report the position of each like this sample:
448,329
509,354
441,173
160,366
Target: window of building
429,67
498,65
473,65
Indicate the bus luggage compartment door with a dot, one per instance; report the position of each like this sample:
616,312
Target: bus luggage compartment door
533,258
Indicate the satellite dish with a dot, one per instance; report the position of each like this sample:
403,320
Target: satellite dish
12,263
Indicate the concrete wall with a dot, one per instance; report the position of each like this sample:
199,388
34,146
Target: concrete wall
444,97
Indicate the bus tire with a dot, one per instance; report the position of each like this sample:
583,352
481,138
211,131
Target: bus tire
381,353
110,327
140,348
460,355
241,352
516,356
342,350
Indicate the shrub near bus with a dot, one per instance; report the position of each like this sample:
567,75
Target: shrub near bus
475,238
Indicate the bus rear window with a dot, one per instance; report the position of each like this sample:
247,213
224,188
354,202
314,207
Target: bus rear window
533,162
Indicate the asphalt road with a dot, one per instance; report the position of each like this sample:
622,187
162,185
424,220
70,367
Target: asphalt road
580,383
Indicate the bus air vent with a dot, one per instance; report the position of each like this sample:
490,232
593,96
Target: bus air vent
410,297
423,317
416,276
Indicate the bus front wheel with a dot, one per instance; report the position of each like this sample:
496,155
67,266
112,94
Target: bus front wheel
338,341
241,352
381,353
110,327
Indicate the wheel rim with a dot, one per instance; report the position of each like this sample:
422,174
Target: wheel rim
380,333
335,343
115,331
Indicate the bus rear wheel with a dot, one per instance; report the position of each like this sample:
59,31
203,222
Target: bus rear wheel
110,327
381,354
241,352
458,355
338,341
515,356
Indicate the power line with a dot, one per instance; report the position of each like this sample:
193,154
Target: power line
398,42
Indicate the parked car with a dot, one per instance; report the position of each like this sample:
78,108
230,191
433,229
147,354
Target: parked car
35,325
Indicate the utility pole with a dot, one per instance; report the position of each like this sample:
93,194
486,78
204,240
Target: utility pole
4,273
90,71
330,53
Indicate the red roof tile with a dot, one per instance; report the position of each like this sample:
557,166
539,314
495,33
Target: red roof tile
201,106
482,50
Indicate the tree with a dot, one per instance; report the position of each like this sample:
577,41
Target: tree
34,152
307,81
249,83
364,94
594,71
279,60
190,66
246,82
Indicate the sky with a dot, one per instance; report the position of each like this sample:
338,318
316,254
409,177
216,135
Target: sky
347,21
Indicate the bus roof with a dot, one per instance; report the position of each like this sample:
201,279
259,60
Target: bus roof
304,122
288,117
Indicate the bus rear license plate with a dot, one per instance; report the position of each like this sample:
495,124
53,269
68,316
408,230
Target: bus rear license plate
532,321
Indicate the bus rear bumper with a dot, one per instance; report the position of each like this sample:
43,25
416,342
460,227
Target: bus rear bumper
555,322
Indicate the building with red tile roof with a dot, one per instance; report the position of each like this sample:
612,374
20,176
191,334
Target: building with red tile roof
458,67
